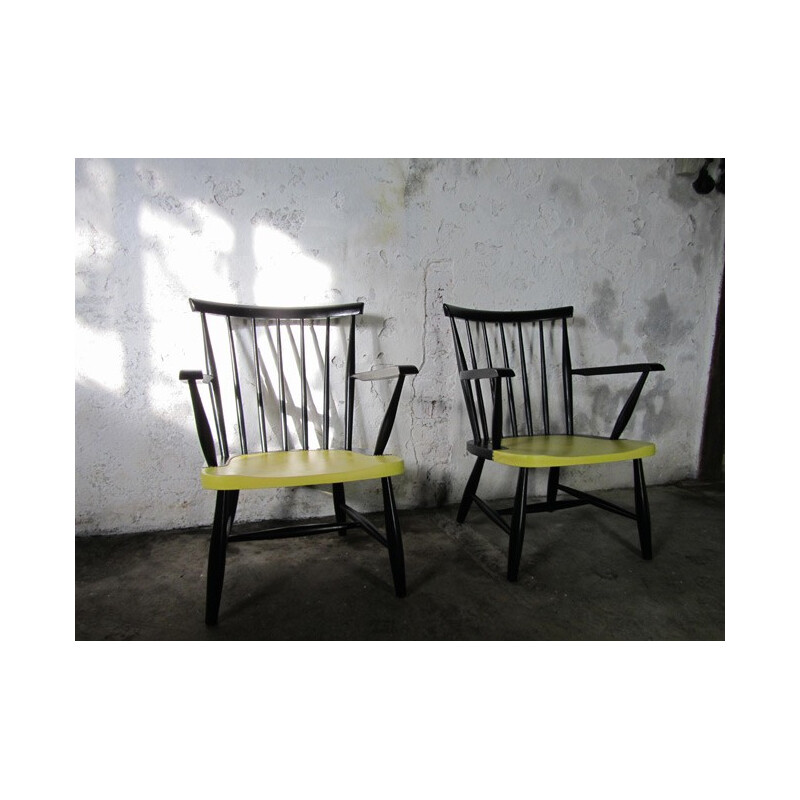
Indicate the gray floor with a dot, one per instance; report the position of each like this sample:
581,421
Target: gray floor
581,578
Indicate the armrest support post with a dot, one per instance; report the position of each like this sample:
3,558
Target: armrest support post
497,413
200,418
391,411
627,410
495,376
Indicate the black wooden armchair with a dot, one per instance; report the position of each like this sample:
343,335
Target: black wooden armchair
281,382
509,349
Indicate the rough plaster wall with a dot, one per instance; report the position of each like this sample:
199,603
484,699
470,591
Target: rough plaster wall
627,242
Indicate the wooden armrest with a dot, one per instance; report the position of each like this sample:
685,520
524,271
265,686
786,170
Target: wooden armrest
194,375
480,374
619,369
382,373
190,375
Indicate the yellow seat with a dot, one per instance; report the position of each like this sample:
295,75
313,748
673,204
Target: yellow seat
566,451
299,468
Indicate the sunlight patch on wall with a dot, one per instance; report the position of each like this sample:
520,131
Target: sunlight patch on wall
166,396
285,275
186,255
99,357
191,242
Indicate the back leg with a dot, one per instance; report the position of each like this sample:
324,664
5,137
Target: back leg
517,525
469,490
338,505
642,509
553,476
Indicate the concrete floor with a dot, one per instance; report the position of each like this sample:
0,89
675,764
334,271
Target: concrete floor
581,578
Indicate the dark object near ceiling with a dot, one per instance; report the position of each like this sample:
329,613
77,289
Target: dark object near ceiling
705,184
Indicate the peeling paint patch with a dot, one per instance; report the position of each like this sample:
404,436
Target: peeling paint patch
389,327
225,191
288,220
168,203
298,176
149,178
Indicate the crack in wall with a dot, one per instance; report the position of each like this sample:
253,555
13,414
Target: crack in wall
429,408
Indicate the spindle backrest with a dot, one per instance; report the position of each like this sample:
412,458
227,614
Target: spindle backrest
281,373
535,345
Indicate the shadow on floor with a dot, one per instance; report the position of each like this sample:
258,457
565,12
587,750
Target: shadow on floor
581,578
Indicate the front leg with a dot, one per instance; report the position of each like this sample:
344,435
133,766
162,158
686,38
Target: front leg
394,539
223,521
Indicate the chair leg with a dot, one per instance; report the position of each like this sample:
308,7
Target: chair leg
517,525
338,505
642,509
223,521
394,539
552,484
469,490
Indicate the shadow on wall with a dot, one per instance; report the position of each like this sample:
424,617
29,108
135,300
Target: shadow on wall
144,246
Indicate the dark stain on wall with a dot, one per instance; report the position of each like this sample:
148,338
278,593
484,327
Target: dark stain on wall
661,329
567,192
654,410
603,311
418,171
472,166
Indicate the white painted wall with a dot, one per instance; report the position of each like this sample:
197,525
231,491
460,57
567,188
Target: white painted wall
628,243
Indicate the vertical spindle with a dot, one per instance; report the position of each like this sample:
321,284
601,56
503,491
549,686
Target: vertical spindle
262,424
543,365
485,433
512,411
350,384
526,396
326,383
237,388
282,392
566,374
303,384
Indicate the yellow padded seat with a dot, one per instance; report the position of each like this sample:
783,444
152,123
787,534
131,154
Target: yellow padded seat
298,468
564,451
